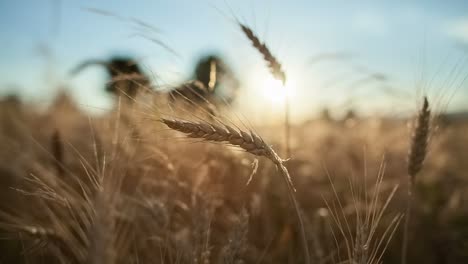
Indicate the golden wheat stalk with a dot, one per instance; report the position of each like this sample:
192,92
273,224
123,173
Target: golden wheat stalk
417,154
418,149
273,64
277,72
248,141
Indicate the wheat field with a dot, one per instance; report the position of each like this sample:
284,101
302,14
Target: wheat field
180,177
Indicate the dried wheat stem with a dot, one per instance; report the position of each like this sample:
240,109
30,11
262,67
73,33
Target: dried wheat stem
417,154
287,128
250,142
57,152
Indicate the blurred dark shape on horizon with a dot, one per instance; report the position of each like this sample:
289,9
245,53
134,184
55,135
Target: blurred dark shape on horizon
325,115
125,75
350,115
64,103
10,106
446,119
11,101
212,80
12,117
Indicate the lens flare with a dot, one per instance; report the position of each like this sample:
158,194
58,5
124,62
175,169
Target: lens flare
274,91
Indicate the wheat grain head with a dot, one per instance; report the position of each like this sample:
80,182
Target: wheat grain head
273,63
418,149
248,141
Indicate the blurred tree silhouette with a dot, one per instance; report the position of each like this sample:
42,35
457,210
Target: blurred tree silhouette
212,80
125,75
217,76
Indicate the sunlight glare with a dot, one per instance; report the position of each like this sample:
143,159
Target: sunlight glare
274,90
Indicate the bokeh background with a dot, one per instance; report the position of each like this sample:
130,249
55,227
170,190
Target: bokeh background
337,54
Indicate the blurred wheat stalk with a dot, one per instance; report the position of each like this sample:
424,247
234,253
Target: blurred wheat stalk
417,154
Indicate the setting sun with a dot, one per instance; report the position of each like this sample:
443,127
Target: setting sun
275,92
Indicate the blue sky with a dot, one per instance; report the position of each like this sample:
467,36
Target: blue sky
406,41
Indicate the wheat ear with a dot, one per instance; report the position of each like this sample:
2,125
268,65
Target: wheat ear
248,141
418,149
273,64
417,154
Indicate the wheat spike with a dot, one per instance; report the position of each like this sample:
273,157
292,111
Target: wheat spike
416,156
273,64
248,141
418,149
